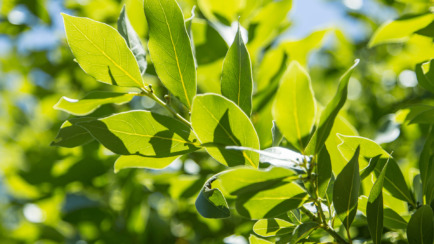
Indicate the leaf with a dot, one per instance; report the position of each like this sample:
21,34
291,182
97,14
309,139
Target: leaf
133,41
170,49
370,168
420,226
368,149
425,75
276,135
237,82
218,122
102,52
329,114
211,203
394,181
346,191
263,194
71,135
294,107
399,30
425,117
143,133
302,231
91,102
392,220
134,161
324,172
272,227
256,240
374,208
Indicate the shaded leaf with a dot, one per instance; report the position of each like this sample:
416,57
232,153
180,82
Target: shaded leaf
133,41
329,114
91,102
143,133
170,49
323,172
71,135
302,231
237,82
276,135
210,202
393,220
420,226
294,107
425,75
218,122
370,168
374,208
346,191
272,227
102,52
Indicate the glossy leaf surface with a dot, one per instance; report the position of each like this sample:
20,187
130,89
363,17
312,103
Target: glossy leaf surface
218,122
420,226
102,52
170,49
237,82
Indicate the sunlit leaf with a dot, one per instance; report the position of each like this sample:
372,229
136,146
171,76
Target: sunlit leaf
143,133
218,122
134,161
272,227
425,75
294,107
91,102
170,49
399,30
256,240
237,82
102,52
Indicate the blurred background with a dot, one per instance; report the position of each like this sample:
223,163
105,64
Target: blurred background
71,195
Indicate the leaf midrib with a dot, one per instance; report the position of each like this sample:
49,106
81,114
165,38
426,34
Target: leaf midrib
107,56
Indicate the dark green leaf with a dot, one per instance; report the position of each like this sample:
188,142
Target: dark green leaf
303,231
329,114
211,203
218,122
133,41
71,135
237,82
425,75
370,168
91,102
324,172
420,226
170,49
393,220
346,191
143,133
374,208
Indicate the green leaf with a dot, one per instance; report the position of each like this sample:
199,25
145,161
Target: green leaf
133,41
276,135
425,75
294,107
374,208
91,102
256,240
143,133
303,231
134,161
346,191
211,203
395,181
71,135
426,165
102,52
324,172
425,117
237,82
263,194
272,227
218,122
170,49
329,114
400,30
393,220
370,168
420,226
368,149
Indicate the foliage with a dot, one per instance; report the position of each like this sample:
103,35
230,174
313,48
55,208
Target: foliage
261,133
